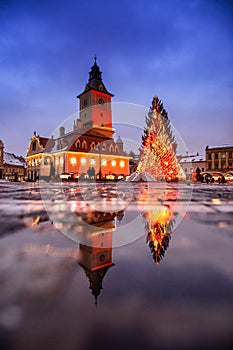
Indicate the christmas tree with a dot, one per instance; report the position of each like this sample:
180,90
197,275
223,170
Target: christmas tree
158,151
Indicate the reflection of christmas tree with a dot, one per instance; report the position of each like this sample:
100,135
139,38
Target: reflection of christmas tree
158,152
158,227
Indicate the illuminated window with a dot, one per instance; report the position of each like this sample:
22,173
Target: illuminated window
113,163
56,161
83,161
92,161
122,163
46,161
73,161
104,162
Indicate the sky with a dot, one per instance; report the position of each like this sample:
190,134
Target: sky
179,50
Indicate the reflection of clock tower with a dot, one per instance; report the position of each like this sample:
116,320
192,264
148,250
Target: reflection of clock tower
96,254
95,103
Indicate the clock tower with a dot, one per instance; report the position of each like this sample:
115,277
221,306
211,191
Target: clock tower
95,103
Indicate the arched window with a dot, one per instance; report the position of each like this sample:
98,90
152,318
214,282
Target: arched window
34,146
93,145
92,161
111,148
116,149
84,144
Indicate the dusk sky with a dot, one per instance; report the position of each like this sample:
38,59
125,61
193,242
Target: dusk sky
180,50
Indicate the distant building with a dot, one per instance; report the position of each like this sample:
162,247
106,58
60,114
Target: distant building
190,164
1,159
219,159
12,167
89,147
133,163
34,156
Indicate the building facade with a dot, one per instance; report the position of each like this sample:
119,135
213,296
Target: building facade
219,158
35,152
1,159
88,150
190,165
12,167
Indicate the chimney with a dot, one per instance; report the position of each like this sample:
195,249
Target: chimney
62,131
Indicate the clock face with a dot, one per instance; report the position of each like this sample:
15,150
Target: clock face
85,103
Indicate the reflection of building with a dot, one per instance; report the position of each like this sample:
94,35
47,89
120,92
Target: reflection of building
89,145
219,158
190,163
96,249
12,167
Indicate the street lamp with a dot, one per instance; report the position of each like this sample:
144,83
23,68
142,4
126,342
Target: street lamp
99,149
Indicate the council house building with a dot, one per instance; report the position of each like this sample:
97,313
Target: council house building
89,149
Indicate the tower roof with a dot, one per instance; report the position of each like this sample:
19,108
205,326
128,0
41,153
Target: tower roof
95,80
119,140
96,279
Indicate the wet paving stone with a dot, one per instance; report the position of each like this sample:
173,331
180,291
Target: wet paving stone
86,266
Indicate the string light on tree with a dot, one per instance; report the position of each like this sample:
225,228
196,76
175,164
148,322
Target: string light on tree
158,151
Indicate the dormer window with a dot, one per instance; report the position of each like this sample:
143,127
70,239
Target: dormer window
78,144
84,144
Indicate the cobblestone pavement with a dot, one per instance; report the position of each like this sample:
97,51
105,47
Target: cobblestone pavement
47,298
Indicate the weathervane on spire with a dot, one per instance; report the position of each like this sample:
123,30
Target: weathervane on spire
95,58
